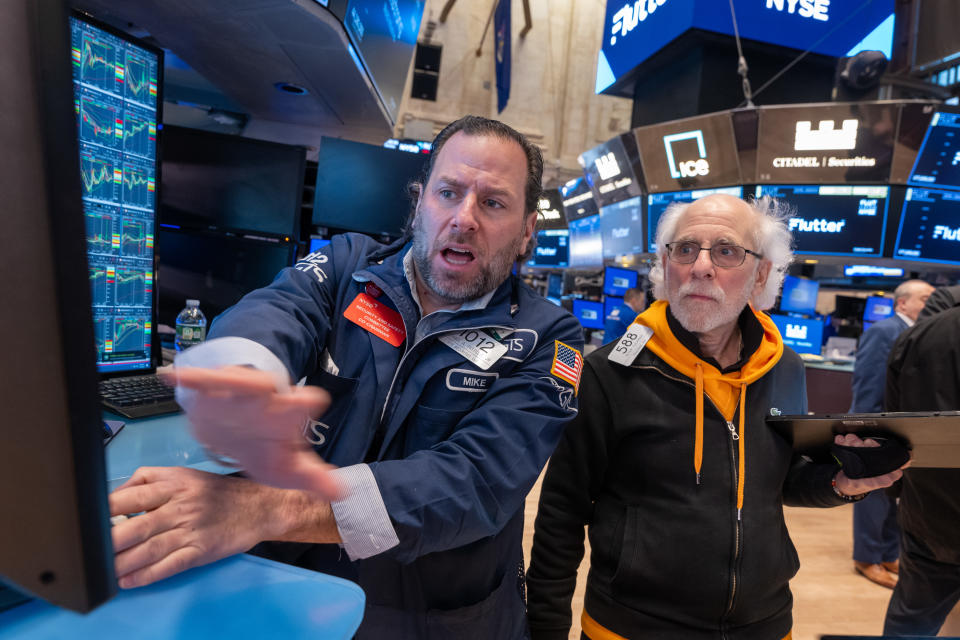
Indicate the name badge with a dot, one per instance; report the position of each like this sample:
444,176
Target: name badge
377,318
630,344
476,346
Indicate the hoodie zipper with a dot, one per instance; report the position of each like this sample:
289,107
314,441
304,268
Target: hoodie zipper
734,436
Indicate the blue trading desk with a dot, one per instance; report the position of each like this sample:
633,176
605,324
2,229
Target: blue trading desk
162,441
239,597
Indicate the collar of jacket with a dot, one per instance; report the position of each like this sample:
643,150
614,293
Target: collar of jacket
723,389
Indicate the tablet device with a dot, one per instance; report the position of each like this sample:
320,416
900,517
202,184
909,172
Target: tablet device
933,437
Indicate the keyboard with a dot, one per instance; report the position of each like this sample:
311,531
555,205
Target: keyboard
138,396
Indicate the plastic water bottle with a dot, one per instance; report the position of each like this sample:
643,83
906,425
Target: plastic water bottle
191,326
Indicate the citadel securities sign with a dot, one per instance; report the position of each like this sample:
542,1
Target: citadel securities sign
826,144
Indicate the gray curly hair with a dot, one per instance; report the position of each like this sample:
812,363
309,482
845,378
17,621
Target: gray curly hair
771,236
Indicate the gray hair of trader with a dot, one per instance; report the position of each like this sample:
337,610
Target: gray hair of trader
771,238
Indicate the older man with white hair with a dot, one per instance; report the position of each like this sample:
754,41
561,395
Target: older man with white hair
670,463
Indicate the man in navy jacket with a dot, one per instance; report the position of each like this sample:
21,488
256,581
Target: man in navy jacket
876,537
447,384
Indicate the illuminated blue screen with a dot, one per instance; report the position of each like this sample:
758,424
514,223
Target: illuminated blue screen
799,295
634,31
589,313
803,336
877,308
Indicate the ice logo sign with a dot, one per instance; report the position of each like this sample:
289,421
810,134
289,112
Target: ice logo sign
687,168
796,331
826,137
630,15
607,166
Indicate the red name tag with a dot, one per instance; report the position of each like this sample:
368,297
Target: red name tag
377,318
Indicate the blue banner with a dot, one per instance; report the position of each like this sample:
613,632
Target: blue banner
501,31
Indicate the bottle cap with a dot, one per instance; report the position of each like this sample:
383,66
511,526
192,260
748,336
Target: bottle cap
193,303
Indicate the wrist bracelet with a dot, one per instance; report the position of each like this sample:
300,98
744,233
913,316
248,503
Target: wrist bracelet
843,496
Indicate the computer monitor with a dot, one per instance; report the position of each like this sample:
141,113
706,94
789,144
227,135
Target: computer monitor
938,161
230,183
555,285
616,281
550,214
578,200
799,295
800,334
878,308
657,203
215,269
552,250
586,242
589,313
362,187
871,271
839,220
621,225
117,87
929,226
55,538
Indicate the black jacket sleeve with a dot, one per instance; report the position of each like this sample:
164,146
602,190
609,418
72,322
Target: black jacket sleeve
571,483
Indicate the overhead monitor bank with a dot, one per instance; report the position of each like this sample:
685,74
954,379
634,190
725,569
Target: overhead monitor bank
929,227
938,161
841,143
841,220
657,203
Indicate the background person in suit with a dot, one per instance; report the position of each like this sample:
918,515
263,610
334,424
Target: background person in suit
876,536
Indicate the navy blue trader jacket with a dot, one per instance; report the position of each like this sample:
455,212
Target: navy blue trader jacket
453,449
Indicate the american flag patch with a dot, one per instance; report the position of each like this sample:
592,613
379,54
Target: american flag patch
567,364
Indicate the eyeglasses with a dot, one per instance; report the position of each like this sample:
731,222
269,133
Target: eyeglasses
722,255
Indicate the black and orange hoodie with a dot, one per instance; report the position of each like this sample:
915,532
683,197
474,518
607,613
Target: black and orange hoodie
681,485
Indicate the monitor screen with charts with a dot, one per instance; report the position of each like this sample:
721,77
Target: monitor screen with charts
117,96
841,220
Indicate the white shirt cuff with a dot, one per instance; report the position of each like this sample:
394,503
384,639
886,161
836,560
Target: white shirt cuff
222,352
361,517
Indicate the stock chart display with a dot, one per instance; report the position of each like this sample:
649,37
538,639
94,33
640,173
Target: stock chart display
115,100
